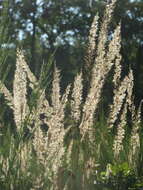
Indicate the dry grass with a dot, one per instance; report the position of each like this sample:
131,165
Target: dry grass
49,147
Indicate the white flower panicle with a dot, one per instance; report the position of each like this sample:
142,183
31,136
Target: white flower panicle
103,34
56,132
117,71
118,100
135,137
114,50
100,71
7,95
89,59
64,99
130,89
91,50
138,116
40,145
118,141
77,97
93,35
30,75
56,89
19,91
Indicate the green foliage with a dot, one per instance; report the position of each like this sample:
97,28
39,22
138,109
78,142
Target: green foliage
118,177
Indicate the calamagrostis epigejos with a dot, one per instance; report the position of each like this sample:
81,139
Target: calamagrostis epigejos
56,147
77,97
91,51
7,95
117,69
19,91
56,90
130,90
25,153
49,146
135,137
33,81
92,36
124,89
118,141
40,139
103,64
56,132
40,145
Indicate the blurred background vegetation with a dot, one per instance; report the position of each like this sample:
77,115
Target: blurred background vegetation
41,27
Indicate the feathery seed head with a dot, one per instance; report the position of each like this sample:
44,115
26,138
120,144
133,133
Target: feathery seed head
77,97
19,91
56,90
118,141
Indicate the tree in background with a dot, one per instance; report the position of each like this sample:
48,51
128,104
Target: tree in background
43,26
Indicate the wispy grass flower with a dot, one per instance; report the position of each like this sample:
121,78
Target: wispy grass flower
19,91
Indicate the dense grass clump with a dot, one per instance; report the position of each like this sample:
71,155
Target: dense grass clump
65,141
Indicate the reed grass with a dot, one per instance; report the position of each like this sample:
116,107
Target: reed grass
74,146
